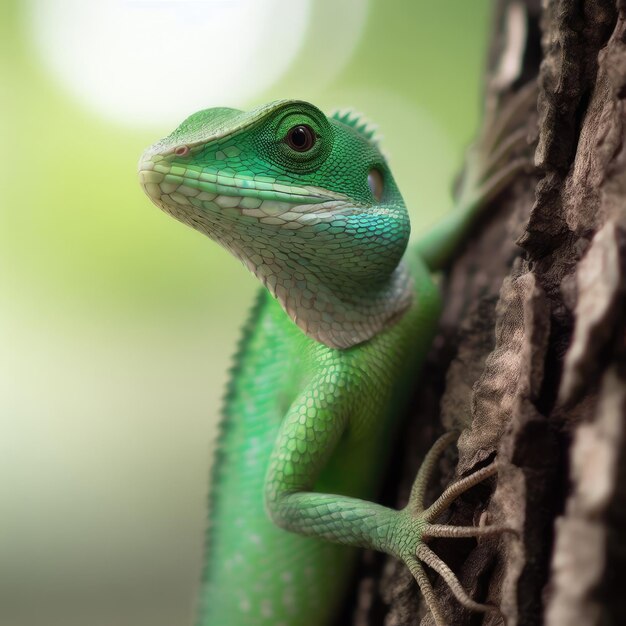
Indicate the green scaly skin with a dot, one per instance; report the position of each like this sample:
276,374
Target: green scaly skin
325,366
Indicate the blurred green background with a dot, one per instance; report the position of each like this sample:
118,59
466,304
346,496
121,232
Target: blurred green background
117,323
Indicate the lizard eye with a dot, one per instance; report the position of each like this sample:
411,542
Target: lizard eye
375,183
300,138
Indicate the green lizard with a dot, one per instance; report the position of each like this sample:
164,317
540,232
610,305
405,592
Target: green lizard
325,366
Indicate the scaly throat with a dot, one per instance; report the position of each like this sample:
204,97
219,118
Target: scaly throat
340,292
341,312
333,266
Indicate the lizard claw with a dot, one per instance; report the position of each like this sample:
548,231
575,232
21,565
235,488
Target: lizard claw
426,529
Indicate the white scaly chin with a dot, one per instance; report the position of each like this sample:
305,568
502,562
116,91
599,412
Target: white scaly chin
261,235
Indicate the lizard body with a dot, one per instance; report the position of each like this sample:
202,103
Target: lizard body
292,575
324,368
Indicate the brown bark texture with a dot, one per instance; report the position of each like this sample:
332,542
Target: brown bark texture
530,360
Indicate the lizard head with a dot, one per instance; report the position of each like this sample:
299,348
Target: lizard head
307,202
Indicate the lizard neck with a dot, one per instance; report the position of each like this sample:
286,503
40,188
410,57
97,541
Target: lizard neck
334,308
340,292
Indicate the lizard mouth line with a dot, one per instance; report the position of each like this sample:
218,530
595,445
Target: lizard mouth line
164,182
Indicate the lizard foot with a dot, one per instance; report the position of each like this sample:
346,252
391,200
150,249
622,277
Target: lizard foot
423,526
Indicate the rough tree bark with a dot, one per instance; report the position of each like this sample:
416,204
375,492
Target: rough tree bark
530,361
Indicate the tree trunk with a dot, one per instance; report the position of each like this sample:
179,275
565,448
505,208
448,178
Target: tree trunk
530,361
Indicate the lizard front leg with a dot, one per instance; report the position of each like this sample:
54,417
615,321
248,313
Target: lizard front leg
310,433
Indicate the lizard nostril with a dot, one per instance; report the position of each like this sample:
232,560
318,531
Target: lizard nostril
182,151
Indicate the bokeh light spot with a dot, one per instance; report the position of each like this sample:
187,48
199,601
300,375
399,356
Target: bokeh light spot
148,62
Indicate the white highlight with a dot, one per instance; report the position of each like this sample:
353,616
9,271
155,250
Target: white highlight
266,608
144,62
255,539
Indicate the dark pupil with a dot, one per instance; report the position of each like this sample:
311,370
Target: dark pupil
300,138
